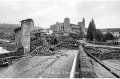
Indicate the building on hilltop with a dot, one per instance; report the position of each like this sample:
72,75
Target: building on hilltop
114,31
67,27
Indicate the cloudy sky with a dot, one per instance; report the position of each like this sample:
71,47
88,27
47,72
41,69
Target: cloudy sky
45,13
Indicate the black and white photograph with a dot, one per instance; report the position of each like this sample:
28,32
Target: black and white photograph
59,39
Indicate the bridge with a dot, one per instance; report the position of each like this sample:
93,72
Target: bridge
67,59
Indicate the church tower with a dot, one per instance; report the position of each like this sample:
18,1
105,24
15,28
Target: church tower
83,22
67,25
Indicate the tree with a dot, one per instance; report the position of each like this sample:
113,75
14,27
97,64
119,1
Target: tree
98,35
109,36
91,31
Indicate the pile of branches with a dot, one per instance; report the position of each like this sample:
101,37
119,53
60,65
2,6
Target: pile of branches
42,51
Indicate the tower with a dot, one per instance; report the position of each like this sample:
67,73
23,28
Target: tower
83,21
82,27
66,24
66,21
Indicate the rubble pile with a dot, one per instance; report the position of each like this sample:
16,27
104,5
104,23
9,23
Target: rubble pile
92,50
69,44
40,46
101,50
43,50
36,43
105,53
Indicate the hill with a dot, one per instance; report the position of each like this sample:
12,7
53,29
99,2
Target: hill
8,27
7,30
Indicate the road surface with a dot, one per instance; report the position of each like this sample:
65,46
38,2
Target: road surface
56,66
101,72
114,65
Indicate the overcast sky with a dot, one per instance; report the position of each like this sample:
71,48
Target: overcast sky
106,14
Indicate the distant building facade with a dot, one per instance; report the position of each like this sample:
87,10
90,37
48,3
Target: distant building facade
114,31
67,27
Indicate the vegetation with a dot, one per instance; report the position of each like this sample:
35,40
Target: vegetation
91,31
98,35
9,36
109,36
75,36
95,34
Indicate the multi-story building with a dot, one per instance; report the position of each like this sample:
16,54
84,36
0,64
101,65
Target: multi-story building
67,27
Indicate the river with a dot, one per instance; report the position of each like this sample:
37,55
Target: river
2,50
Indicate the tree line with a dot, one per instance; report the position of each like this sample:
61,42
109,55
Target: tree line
94,34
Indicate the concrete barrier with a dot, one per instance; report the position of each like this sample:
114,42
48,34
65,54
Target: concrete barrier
86,68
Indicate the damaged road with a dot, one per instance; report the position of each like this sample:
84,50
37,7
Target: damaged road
55,66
